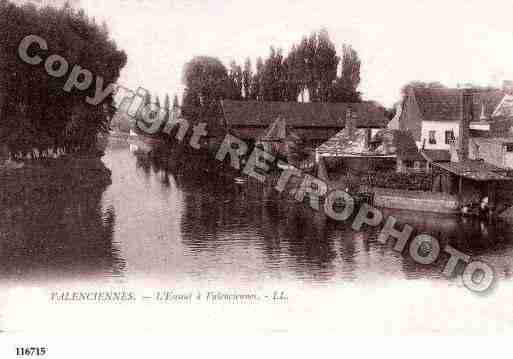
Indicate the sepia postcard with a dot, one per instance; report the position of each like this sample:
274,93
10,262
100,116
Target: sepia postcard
181,169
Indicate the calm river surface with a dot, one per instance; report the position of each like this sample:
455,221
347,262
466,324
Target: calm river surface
151,223
154,227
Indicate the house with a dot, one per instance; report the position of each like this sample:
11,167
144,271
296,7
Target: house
492,140
470,181
351,148
469,178
349,141
408,157
388,149
402,146
434,116
313,122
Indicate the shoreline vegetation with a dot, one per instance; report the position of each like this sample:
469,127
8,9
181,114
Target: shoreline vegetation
51,139
45,120
43,179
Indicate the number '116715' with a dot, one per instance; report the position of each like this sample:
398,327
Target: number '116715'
33,351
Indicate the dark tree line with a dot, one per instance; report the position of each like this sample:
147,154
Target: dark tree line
35,112
311,68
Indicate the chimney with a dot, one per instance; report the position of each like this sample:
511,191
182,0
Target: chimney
463,138
350,122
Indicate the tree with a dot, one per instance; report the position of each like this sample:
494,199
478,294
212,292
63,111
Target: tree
350,67
167,105
272,77
324,67
421,84
235,84
191,105
206,83
311,65
247,76
345,87
35,111
256,89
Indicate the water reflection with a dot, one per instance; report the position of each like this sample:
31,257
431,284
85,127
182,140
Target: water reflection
179,218
58,237
286,237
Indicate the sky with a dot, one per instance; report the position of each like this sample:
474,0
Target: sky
398,41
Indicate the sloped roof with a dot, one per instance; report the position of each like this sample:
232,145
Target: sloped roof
398,142
475,170
315,114
447,104
402,144
505,108
344,143
278,131
439,104
394,123
487,100
406,148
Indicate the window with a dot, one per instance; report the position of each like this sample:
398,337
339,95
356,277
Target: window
432,139
449,137
509,147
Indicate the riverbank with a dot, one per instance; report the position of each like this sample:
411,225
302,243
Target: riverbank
40,178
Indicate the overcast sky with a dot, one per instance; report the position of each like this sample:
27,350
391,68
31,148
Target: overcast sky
398,41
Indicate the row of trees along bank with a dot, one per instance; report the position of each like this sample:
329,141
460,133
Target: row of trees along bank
311,66
35,111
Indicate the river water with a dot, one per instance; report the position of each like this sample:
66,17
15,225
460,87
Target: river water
157,227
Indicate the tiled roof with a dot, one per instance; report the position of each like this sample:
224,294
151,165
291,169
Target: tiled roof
401,143
475,170
439,104
344,143
262,114
447,104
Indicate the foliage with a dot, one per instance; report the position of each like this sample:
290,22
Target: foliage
345,87
206,83
35,111
420,84
311,65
